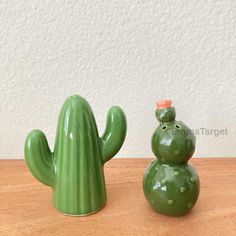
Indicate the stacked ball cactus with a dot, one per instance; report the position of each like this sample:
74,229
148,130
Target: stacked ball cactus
75,169
170,184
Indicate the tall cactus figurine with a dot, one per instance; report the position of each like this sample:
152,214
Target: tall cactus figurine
75,169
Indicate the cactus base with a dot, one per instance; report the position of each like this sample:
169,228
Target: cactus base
82,215
170,189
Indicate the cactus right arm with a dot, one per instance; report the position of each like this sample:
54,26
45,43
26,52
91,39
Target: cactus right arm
39,158
114,134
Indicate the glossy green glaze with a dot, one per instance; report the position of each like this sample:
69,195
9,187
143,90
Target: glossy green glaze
170,184
75,169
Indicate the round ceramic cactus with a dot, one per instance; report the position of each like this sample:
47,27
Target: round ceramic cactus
170,184
75,169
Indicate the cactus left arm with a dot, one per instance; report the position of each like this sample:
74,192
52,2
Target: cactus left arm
114,134
39,158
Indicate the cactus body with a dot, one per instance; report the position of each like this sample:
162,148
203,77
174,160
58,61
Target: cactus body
75,169
170,184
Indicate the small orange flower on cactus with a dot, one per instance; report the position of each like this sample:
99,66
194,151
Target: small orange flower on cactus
162,104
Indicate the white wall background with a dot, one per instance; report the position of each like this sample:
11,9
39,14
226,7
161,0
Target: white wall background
128,53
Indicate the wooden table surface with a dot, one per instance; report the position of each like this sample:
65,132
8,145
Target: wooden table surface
26,209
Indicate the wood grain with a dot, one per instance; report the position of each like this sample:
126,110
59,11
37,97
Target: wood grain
26,209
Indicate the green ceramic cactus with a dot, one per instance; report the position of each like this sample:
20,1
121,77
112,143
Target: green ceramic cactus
170,184
75,169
